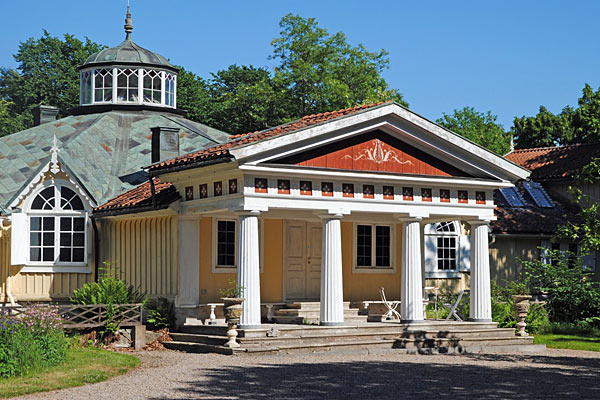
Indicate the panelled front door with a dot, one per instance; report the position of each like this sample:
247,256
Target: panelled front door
303,260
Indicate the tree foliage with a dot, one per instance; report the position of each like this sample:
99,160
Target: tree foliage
579,125
478,127
317,72
323,72
572,296
586,230
46,73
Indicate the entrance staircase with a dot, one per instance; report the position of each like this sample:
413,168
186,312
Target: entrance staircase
429,338
308,313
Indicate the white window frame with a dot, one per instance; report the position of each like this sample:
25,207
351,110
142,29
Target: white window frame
373,269
228,269
57,266
431,233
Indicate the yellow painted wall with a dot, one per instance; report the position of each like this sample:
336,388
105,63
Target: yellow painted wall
271,279
365,286
210,282
505,253
36,286
143,251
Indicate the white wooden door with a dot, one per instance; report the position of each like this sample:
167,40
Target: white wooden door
303,260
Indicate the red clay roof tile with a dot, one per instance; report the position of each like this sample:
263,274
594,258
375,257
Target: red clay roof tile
555,163
222,150
136,197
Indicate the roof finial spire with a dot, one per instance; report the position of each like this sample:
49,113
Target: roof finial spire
128,24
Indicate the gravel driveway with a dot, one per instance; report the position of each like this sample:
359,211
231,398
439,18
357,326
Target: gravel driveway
173,375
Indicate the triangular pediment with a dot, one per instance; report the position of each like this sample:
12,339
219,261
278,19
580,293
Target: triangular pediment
374,151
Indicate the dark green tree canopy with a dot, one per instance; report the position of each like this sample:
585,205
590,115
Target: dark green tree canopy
570,126
46,73
323,72
317,72
478,127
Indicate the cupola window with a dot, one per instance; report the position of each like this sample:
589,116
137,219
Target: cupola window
127,85
86,87
152,87
103,84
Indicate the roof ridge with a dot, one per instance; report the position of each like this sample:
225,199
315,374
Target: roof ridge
310,116
552,148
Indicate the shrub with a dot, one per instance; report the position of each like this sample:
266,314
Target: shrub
35,340
571,294
110,291
161,313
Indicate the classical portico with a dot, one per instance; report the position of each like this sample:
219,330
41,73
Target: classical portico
332,211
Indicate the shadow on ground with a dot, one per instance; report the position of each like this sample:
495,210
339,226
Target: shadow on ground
559,377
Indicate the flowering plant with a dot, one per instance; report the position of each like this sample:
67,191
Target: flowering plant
42,318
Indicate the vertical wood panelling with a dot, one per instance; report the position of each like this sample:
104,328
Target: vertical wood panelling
142,250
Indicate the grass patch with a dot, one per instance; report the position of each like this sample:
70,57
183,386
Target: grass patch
570,342
82,366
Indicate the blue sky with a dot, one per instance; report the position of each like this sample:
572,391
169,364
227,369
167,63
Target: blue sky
508,57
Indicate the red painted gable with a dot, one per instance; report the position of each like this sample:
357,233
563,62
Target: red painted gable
375,151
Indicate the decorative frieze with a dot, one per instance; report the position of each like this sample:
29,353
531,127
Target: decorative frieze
347,190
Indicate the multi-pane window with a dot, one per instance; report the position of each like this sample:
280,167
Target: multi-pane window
225,243
57,227
86,87
103,85
373,246
127,85
364,242
152,86
170,90
446,253
446,246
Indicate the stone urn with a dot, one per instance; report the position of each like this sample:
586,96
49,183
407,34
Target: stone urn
232,307
521,308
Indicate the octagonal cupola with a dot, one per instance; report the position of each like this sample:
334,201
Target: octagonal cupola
128,74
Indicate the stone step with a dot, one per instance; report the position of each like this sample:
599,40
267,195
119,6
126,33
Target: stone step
295,312
312,319
311,305
300,330
190,347
217,340
415,346
204,329
389,334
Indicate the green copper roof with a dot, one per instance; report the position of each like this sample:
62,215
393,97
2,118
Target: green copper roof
105,151
128,52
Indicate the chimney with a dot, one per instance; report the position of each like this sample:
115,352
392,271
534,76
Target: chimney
165,143
43,114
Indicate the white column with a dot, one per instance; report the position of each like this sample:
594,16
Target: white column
481,300
412,276
188,294
248,269
332,296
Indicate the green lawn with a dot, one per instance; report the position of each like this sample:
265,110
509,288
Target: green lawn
83,366
570,342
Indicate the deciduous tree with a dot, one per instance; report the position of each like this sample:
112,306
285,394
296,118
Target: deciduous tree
478,127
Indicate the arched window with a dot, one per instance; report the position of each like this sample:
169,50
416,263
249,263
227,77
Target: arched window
446,250
57,227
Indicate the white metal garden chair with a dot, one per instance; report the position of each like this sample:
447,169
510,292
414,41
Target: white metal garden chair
456,309
391,306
